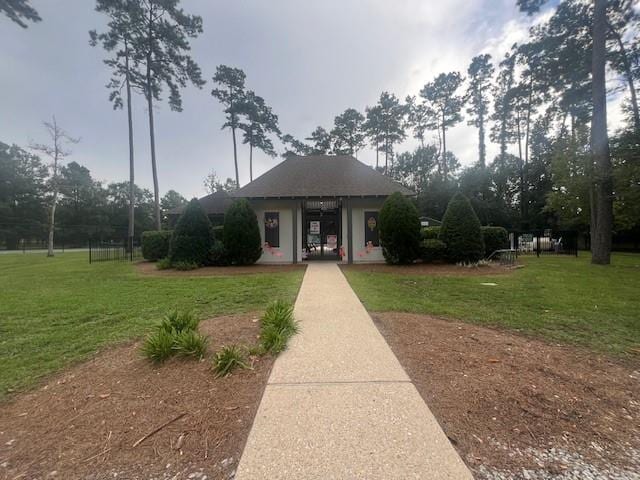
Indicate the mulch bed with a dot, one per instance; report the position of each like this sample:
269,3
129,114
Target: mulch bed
149,268
83,423
430,269
515,407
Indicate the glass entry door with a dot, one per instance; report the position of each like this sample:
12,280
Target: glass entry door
322,233
321,229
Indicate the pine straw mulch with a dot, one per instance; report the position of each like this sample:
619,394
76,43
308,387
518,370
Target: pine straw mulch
84,422
498,395
432,269
149,268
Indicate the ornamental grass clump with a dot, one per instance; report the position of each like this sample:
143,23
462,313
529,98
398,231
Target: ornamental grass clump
229,358
277,326
176,322
190,343
176,335
158,346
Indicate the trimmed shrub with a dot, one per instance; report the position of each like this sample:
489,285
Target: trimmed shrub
163,264
241,234
192,237
218,255
399,230
433,250
277,326
155,244
184,266
461,231
495,238
430,233
218,232
228,358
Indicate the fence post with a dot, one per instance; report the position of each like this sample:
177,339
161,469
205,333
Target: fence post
89,250
538,246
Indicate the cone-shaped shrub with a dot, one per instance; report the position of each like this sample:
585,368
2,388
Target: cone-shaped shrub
192,238
241,234
461,231
399,230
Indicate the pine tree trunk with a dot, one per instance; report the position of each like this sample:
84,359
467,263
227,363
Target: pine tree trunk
235,155
251,161
154,168
629,77
152,138
377,155
233,136
523,200
482,149
52,221
602,181
131,158
528,126
445,167
386,156
54,199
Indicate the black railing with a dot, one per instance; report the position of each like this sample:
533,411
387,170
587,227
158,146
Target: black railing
127,250
546,242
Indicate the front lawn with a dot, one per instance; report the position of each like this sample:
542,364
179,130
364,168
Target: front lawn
563,299
54,311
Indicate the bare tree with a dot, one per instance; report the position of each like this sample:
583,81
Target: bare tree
56,150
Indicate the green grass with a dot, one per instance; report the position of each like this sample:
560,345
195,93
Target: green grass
54,311
564,299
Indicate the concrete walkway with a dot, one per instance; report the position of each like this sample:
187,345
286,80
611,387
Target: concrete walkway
338,405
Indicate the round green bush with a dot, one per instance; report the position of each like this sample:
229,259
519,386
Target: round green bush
433,250
218,232
218,255
155,244
461,231
241,234
495,238
192,238
399,230
430,233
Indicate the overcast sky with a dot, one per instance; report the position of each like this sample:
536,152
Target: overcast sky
310,61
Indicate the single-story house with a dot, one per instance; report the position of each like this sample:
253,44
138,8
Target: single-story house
315,207
214,206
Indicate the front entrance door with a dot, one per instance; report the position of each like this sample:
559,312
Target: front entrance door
322,233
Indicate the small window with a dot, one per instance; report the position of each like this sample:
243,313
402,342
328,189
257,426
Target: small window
371,233
272,228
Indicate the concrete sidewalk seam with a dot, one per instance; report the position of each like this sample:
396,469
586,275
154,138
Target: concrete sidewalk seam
345,382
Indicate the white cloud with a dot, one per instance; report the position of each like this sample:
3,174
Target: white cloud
309,60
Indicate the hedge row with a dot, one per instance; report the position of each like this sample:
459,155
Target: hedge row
196,242
495,238
155,244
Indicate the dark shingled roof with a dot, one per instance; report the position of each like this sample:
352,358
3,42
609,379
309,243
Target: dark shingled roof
216,203
321,176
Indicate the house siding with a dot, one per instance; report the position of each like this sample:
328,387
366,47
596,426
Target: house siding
283,253
360,252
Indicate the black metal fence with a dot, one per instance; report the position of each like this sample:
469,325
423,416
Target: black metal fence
127,250
545,242
34,235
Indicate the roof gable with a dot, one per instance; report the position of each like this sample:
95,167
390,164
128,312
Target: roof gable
321,176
